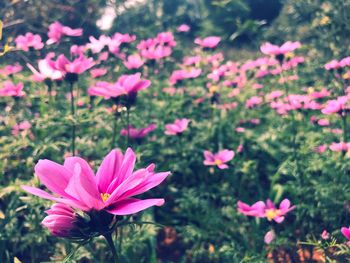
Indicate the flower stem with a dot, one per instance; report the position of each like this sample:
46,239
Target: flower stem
114,135
73,116
109,240
128,124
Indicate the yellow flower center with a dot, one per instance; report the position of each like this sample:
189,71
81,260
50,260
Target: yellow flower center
105,196
218,162
272,213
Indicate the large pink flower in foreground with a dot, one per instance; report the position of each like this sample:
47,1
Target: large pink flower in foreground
219,159
112,189
179,126
268,209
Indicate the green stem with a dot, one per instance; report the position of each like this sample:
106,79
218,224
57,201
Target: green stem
128,124
345,137
110,242
73,116
114,130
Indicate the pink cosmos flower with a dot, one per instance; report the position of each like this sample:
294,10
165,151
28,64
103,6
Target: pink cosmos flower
334,64
336,106
96,45
208,42
9,89
10,70
269,237
325,235
183,28
24,42
253,102
240,129
188,61
47,69
270,49
339,147
98,72
268,210
179,126
131,84
77,66
57,31
60,220
321,148
22,126
182,74
138,133
133,62
219,159
111,189
346,233
323,122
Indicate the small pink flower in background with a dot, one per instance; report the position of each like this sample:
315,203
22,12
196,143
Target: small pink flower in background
188,61
325,235
323,122
131,84
22,126
345,62
253,102
240,148
133,62
179,126
336,131
60,220
183,28
9,89
346,233
96,45
255,121
257,86
268,210
178,75
269,237
111,189
321,148
10,70
47,69
240,129
334,64
335,106
320,94
274,95
208,42
339,147
219,159
29,40
98,72
270,49
138,133
57,31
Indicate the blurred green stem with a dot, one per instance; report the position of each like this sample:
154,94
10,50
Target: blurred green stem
110,242
128,124
73,116
345,128
114,135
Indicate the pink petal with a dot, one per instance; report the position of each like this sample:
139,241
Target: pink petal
131,206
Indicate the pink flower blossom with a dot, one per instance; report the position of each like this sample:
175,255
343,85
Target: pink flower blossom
57,31
133,62
325,235
24,42
253,102
335,106
321,148
346,233
111,189
98,72
240,129
9,89
339,147
138,133
270,49
10,70
22,126
219,159
208,42
179,126
182,74
60,220
47,69
334,64
77,66
183,28
268,210
323,122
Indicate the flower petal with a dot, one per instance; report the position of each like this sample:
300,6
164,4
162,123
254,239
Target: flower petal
132,206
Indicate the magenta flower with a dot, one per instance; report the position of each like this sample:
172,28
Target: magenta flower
182,74
269,237
60,220
208,42
10,70
112,189
336,106
98,72
29,40
270,49
268,210
334,64
133,62
138,133
103,89
22,126
77,66
183,28
9,89
325,235
339,147
346,233
219,159
253,102
47,69
178,127
57,31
